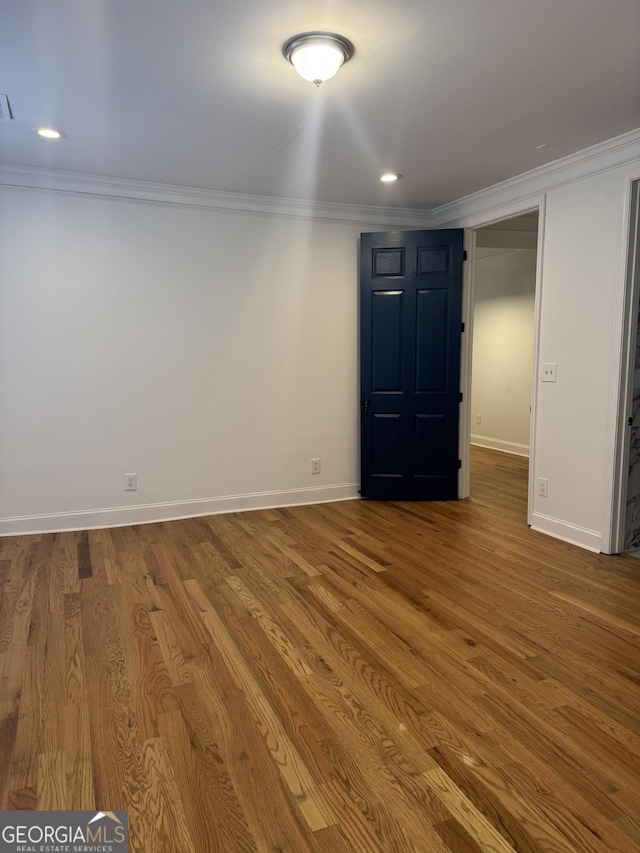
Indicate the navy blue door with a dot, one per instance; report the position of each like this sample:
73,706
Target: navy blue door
410,326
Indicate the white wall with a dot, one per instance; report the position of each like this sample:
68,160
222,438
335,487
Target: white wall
583,282
502,364
213,354
584,202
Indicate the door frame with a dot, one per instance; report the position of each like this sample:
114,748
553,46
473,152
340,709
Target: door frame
620,467
471,225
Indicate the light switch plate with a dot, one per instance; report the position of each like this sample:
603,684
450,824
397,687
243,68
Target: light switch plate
549,372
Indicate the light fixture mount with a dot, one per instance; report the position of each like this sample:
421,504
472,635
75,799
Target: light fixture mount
317,56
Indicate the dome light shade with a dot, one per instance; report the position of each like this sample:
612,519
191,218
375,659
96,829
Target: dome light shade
317,56
317,62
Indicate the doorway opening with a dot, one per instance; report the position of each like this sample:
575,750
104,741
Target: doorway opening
502,346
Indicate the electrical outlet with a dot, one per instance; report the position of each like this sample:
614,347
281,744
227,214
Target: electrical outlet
543,487
130,482
315,466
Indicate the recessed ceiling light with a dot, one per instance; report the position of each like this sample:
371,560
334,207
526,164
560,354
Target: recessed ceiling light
390,177
49,133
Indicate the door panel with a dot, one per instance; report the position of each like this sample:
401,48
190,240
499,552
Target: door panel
386,455
410,324
386,343
431,340
431,443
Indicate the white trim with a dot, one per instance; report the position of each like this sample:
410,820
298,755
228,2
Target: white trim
497,214
511,447
122,189
537,325
466,352
124,516
572,533
515,191
622,382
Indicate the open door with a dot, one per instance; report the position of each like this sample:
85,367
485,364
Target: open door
410,327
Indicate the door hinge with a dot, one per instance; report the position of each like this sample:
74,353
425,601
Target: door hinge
462,327
459,463
461,396
464,255
630,421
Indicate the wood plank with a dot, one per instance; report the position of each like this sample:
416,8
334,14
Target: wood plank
468,816
212,809
359,676
51,781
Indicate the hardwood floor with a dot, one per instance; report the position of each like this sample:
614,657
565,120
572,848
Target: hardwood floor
357,676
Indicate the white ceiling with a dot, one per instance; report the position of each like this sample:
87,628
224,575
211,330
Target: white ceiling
455,94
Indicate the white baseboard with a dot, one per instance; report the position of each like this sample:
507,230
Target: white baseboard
499,444
124,516
581,536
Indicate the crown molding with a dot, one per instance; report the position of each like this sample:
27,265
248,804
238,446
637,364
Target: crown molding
613,153
123,189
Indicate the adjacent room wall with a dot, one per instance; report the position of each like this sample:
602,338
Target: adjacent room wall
503,333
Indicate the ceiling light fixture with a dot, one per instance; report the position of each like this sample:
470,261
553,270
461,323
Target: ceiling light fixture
49,133
317,56
390,177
